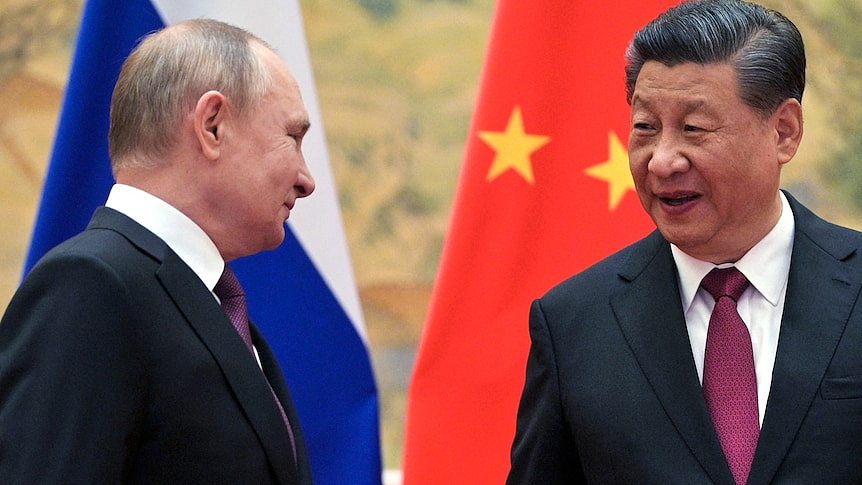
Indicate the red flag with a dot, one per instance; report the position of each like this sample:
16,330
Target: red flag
545,191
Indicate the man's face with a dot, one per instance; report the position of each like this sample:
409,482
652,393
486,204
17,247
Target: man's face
705,164
265,169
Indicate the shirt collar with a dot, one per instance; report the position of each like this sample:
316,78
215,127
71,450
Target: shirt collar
766,265
180,233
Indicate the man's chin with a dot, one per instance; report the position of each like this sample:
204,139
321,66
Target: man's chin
274,241
681,237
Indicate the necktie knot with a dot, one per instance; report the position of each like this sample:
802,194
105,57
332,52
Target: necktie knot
725,282
228,286
229,291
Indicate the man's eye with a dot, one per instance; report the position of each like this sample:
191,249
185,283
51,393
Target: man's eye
642,126
692,128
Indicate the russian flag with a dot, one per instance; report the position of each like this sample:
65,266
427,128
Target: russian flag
303,295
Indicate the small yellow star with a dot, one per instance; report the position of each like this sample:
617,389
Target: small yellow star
615,171
513,148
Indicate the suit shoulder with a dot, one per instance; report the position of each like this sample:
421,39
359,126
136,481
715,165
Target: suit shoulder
94,247
89,260
605,276
842,243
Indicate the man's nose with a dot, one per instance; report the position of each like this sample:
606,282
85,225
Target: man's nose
668,157
305,182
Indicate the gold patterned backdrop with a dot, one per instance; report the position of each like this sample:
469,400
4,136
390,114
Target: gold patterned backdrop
397,80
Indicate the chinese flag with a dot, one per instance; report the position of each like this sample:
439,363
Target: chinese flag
545,191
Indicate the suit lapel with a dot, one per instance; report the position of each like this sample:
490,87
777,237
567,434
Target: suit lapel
821,292
238,365
650,315
276,379
216,332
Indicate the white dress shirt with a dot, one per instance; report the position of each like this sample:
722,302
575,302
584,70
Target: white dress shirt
761,306
180,233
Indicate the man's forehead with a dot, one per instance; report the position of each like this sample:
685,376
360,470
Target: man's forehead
649,100
693,84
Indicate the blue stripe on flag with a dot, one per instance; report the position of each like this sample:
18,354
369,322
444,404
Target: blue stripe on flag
325,362
79,174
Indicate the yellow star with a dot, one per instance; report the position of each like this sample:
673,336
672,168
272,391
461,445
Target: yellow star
614,171
513,148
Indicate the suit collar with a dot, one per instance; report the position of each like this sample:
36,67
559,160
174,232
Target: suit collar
831,239
140,237
183,235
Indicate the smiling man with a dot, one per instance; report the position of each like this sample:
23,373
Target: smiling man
127,355
726,347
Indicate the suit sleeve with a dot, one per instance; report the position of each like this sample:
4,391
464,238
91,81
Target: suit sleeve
543,450
70,385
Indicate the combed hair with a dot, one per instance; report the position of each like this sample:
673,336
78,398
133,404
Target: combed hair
165,75
764,47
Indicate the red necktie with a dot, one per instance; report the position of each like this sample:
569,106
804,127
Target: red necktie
232,297
729,381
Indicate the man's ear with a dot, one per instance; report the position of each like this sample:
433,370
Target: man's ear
209,116
788,126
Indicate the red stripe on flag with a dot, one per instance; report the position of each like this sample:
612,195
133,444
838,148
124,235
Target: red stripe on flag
542,195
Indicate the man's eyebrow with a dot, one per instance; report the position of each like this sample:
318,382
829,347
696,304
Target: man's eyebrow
641,100
690,105
695,104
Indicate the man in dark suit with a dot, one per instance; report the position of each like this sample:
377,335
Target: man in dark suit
118,363
639,372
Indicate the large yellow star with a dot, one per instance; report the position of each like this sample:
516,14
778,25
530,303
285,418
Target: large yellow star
615,171
513,148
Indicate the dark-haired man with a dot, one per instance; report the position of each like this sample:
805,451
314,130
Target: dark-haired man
725,347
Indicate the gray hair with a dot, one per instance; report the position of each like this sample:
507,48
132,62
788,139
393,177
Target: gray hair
764,47
165,75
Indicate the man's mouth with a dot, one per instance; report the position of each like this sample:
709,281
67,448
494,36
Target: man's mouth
679,200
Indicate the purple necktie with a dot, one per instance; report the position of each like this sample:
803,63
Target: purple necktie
229,291
729,381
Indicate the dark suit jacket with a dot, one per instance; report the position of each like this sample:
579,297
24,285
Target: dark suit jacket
117,365
612,395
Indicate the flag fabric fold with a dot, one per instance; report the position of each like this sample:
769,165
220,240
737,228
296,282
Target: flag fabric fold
302,296
544,192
